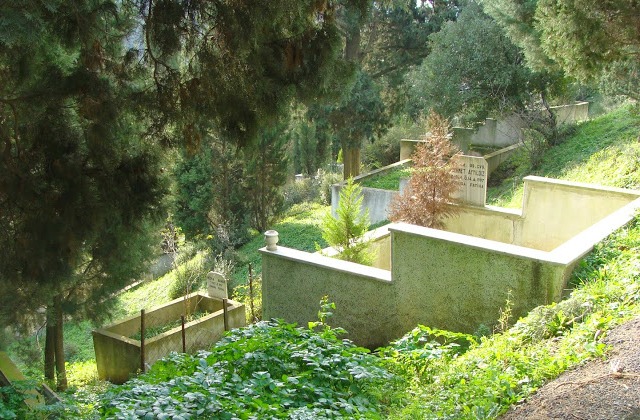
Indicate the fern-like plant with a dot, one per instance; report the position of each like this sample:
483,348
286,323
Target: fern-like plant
345,233
426,201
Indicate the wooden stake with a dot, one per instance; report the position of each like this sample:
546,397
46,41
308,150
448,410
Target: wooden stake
184,341
253,314
142,340
225,314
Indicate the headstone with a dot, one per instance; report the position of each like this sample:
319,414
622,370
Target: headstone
472,178
216,285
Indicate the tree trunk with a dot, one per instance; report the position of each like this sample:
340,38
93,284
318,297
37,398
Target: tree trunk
352,46
351,153
59,345
49,347
351,160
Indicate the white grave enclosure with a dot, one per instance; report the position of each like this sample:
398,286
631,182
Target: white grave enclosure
216,285
472,178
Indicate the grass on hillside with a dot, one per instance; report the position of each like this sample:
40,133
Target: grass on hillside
505,368
387,180
299,228
605,151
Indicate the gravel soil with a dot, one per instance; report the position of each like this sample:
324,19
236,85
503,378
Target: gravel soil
599,389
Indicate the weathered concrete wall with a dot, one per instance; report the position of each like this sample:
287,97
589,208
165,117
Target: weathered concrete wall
456,282
294,282
118,356
374,199
567,114
502,132
496,158
493,223
554,211
453,280
381,248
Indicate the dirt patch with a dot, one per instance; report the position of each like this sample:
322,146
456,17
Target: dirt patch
598,389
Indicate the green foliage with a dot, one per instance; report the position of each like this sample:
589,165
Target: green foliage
80,186
506,368
189,277
422,350
300,191
345,232
194,196
265,172
602,151
517,19
385,150
263,57
388,180
359,115
268,370
583,39
209,196
311,143
589,40
250,295
12,405
12,401
299,229
477,68
395,40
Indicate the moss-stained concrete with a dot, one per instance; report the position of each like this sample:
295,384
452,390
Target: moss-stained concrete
456,279
366,304
118,356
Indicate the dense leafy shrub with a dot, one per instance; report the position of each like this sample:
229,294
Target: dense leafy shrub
190,277
300,191
268,370
386,149
326,180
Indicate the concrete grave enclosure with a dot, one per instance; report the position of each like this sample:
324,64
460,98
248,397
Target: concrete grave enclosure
457,278
503,135
118,356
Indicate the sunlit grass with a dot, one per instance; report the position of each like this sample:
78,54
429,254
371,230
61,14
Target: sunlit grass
299,228
603,151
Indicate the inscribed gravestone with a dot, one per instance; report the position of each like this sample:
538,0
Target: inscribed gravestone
472,178
216,285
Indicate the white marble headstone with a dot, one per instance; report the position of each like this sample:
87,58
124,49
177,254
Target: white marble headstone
216,285
472,178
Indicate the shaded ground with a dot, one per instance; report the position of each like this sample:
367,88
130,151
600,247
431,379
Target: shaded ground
599,389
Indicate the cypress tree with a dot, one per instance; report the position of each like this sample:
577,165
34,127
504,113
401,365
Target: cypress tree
79,183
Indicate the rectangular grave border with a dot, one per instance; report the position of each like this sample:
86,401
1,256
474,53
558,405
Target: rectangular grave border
118,356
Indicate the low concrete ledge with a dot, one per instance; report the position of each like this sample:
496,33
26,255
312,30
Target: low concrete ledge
476,243
333,264
118,356
534,181
400,164
581,244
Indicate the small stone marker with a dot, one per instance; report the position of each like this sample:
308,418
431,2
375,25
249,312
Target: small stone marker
216,285
472,178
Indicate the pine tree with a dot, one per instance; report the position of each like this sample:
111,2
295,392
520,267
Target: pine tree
265,173
79,183
426,200
345,233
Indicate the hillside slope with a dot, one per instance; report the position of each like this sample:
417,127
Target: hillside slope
604,151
